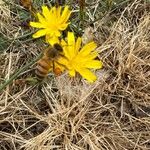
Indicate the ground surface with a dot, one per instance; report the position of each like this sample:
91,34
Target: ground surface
70,114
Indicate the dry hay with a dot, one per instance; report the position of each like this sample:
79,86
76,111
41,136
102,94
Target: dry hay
70,114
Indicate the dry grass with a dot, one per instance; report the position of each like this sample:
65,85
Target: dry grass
70,114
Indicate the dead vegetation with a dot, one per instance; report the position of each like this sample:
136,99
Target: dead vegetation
70,114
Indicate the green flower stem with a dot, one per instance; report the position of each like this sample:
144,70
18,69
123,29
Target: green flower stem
18,72
81,12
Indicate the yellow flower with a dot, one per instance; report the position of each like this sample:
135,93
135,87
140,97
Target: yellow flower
51,22
80,59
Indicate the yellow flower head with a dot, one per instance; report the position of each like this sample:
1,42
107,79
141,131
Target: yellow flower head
51,23
80,59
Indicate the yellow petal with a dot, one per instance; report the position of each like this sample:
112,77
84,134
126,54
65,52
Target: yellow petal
39,33
71,39
37,25
95,64
65,14
78,44
41,19
93,55
65,49
66,18
87,58
63,26
58,11
52,32
87,74
66,52
46,13
71,45
57,33
63,43
54,11
72,73
47,37
87,49
63,61
52,40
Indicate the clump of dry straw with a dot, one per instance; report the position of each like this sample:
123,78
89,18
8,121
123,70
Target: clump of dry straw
70,114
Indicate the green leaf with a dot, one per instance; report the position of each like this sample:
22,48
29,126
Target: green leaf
4,43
